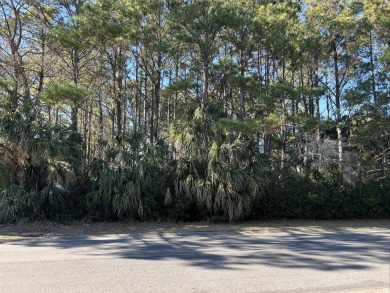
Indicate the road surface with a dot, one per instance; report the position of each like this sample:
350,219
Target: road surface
269,261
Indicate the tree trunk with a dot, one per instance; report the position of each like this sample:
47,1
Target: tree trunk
75,106
372,69
205,86
338,106
241,111
157,92
101,129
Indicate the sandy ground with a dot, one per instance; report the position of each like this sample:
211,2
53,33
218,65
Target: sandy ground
44,228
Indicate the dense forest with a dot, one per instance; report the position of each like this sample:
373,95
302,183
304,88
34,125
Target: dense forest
188,110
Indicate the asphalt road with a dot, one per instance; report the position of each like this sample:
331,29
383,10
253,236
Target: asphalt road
272,261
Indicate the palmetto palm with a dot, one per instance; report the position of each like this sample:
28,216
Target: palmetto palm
39,157
116,184
223,173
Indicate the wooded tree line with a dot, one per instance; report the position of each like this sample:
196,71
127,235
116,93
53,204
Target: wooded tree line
194,110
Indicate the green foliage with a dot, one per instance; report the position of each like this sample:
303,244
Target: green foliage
115,186
129,183
42,167
249,126
63,92
194,110
228,179
325,197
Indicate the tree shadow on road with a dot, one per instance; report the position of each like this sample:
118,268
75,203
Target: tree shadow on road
333,250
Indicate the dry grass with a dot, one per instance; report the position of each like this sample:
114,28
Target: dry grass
43,228
367,291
